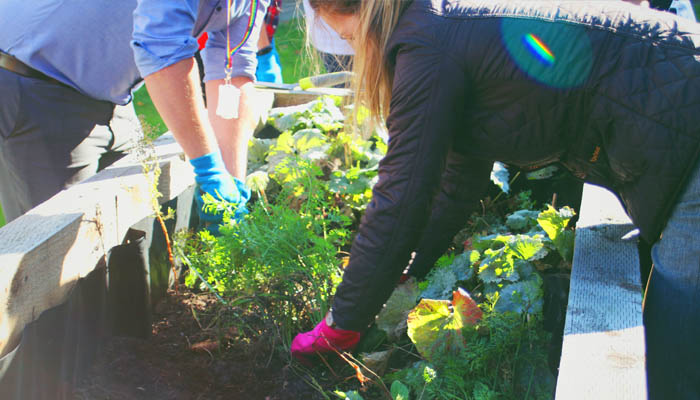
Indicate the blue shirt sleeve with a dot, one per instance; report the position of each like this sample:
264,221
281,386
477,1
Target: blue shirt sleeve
163,33
244,61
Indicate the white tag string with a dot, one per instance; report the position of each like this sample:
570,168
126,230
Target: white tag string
230,95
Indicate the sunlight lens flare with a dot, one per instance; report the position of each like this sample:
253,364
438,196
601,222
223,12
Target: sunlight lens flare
539,49
553,53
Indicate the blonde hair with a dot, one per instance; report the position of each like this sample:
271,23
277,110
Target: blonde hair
373,76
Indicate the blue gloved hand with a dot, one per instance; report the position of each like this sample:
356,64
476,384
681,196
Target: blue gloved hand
212,178
269,68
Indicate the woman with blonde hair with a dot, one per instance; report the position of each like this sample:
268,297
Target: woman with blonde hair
609,90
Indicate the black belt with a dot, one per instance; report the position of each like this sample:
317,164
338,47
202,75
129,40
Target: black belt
18,67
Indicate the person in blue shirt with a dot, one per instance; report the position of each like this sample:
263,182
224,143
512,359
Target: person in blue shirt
67,72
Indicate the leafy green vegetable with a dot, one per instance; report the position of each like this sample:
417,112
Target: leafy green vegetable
521,297
351,395
441,283
554,223
443,280
258,150
392,318
322,113
435,329
499,264
399,391
495,363
522,220
354,186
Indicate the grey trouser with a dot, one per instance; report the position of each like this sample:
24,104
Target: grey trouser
52,136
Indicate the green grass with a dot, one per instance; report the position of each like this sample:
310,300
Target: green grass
289,39
150,119
2,217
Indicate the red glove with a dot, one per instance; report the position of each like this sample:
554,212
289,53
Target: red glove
323,339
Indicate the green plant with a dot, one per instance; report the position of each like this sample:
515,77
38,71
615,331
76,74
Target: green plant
150,166
2,217
524,200
554,222
314,132
494,350
435,326
279,266
497,358
281,261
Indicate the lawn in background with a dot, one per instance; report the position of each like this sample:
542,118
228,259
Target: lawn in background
2,217
152,124
289,40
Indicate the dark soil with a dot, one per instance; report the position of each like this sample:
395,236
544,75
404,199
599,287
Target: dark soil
196,352
192,358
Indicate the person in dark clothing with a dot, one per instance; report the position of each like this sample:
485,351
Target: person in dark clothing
609,90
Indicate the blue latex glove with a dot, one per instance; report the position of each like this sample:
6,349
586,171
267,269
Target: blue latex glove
269,67
211,177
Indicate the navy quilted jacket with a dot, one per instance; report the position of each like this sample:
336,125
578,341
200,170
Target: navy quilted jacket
607,89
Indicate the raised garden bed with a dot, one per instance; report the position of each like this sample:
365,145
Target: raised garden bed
227,333
472,329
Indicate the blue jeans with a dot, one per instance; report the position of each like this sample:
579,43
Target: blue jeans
672,308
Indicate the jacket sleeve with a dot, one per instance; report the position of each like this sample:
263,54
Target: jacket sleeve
426,109
464,182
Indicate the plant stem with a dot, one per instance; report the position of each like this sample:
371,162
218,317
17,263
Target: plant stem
170,250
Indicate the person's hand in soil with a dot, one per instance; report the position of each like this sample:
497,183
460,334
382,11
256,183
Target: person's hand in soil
323,339
212,178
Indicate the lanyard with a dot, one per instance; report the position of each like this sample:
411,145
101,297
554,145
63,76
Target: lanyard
231,51
230,95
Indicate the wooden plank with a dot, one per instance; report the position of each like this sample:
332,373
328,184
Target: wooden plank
44,252
603,354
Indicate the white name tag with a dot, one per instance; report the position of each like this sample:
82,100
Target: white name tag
229,99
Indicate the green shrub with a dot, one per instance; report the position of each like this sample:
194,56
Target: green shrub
282,260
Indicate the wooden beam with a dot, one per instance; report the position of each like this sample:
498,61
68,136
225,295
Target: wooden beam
603,353
44,252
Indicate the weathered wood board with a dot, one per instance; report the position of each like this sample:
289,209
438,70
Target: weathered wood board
44,252
603,354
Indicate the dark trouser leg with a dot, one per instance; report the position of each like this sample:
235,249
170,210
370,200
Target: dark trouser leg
672,308
51,137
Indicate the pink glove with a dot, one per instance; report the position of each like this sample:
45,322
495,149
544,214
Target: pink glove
323,339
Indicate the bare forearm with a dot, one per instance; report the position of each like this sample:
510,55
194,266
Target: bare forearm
233,134
176,93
